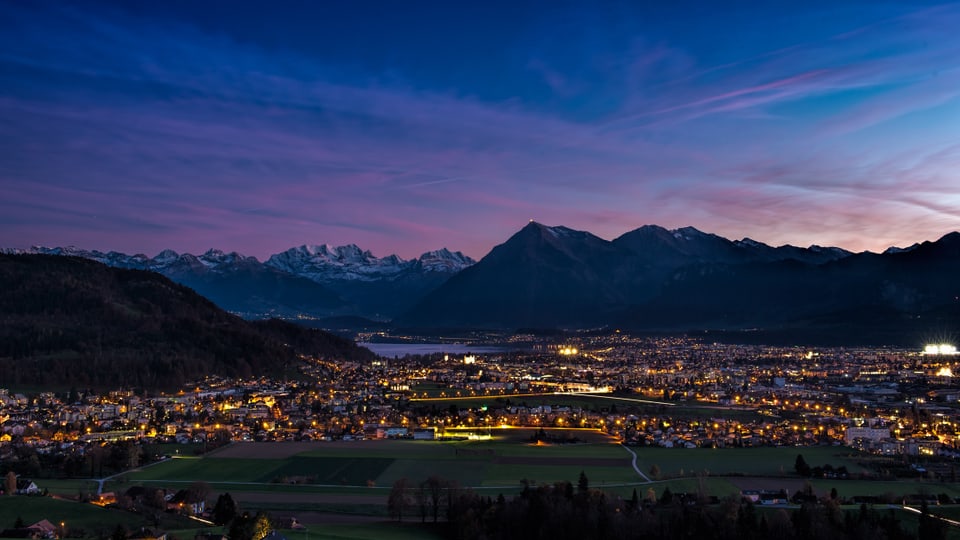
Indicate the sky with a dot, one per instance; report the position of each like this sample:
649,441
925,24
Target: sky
404,127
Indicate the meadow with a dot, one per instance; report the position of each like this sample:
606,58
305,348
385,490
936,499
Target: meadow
339,489
297,467
359,467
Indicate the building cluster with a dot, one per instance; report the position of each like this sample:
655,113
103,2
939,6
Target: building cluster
672,392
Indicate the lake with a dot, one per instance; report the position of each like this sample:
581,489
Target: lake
399,350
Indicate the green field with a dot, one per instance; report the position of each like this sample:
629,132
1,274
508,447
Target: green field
354,478
763,461
344,485
367,531
381,463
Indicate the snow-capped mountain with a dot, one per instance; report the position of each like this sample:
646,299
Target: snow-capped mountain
443,260
895,249
235,282
377,287
326,263
313,280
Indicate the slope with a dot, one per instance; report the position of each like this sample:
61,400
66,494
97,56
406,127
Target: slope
67,321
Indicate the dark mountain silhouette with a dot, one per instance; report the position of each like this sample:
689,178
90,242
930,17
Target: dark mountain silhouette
541,276
68,321
652,279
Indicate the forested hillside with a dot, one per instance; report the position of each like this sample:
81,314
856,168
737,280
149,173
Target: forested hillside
66,321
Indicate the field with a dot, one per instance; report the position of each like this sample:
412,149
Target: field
76,517
330,483
317,467
763,461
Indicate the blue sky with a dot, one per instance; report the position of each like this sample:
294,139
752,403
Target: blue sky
138,126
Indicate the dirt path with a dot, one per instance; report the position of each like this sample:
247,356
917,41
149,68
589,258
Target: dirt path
634,463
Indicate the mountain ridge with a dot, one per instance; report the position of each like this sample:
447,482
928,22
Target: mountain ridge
657,279
318,281
72,321
650,278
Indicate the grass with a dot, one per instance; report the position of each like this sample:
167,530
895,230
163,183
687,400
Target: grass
510,475
852,488
210,469
67,487
333,470
92,520
467,472
763,461
368,531
497,466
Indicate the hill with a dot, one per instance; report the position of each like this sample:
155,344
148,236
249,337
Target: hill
68,321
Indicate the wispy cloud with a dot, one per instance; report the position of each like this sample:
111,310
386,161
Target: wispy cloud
118,128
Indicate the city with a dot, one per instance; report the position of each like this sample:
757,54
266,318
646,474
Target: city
669,392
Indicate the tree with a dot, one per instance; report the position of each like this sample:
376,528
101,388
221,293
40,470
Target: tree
930,527
800,465
225,510
261,526
10,483
247,527
119,533
435,487
197,492
397,501
583,485
655,471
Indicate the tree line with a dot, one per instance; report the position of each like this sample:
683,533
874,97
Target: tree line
562,510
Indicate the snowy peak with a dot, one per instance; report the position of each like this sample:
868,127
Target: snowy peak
325,263
443,260
166,256
895,249
750,243
689,234
214,258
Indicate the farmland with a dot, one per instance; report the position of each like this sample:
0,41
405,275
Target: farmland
340,489
321,475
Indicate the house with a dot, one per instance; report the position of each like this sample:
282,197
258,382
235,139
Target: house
146,533
289,523
184,500
424,434
45,528
105,498
26,487
771,497
274,535
211,536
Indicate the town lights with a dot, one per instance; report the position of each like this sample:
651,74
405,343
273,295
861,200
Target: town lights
940,349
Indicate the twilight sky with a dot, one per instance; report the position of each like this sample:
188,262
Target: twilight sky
409,126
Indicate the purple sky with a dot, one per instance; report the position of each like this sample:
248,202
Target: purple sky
403,129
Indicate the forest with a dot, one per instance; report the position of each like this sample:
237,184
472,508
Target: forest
66,321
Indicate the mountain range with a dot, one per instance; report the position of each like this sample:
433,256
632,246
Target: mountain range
654,279
311,281
648,279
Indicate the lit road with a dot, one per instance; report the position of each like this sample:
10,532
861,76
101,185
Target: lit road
597,395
